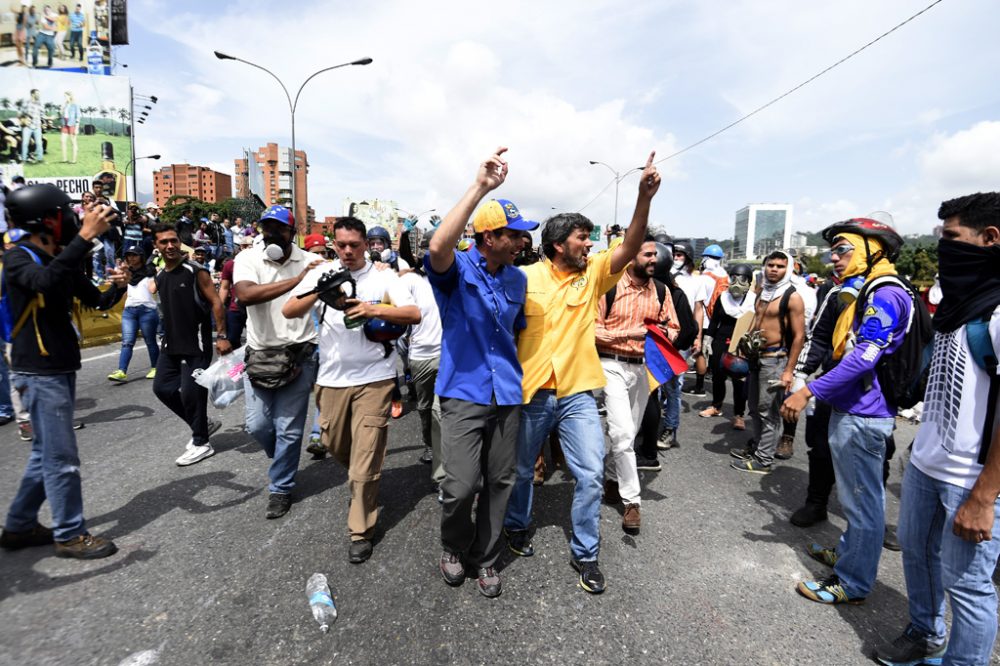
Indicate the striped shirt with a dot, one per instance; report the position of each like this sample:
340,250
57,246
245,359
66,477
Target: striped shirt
623,331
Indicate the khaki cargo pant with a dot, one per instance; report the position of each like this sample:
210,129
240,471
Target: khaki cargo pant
354,427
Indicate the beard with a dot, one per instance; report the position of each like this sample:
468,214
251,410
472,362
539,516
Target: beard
576,261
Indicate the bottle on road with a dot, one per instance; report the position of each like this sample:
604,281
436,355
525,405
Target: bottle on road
321,601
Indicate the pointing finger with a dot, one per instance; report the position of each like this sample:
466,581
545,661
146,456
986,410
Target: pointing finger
649,162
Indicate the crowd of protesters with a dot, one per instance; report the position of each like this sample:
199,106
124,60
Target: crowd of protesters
506,349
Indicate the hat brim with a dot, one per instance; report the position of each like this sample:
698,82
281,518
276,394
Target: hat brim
521,225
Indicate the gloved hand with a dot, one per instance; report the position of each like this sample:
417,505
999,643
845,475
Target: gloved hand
706,345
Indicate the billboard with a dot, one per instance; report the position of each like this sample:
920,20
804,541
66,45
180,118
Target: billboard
55,37
374,212
65,129
119,22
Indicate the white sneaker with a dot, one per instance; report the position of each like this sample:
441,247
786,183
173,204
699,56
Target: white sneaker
195,454
213,427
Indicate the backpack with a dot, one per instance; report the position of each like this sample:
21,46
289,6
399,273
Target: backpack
786,335
721,284
977,334
8,327
902,375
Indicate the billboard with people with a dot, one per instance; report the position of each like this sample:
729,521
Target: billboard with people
66,129
66,37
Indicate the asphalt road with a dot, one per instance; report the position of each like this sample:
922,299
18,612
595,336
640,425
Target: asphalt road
202,577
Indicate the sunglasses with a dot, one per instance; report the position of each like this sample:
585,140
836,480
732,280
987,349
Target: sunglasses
841,250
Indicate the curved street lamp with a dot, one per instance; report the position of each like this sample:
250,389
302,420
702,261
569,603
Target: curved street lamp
130,163
618,179
293,105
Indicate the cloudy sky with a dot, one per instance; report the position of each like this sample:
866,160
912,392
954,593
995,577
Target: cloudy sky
908,122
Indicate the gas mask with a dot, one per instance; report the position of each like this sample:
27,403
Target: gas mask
739,285
386,256
275,247
850,288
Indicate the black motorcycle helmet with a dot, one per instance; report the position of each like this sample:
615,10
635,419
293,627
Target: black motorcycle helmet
685,249
664,261
44,209
740,270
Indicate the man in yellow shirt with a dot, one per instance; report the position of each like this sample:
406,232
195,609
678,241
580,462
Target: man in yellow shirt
561,369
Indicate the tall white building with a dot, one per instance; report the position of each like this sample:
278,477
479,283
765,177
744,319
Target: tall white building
761,229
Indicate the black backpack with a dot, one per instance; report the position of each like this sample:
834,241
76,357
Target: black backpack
902,375
685,318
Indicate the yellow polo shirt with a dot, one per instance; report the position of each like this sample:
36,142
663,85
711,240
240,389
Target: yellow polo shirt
557,349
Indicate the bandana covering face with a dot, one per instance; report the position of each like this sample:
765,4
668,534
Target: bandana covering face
771,291
970,283
858,266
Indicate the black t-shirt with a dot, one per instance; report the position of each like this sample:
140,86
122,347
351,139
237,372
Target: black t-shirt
187,317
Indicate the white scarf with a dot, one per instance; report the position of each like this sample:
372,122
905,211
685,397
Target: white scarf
735,308
771,291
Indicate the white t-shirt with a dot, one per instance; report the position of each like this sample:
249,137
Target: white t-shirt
266,326
138,294
808,295
951,428
693,287
425,337
346,357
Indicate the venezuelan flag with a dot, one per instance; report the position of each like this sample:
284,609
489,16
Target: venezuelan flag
663,361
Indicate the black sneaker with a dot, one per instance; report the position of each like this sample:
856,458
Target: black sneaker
489,582
752,465
4,420
591,578
39,535
427,457
519,542
278,505
647,464
808,515
666,440
451,569
359,551
745,453
695,391
889,541
911,649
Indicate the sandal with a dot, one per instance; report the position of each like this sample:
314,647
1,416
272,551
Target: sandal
709,413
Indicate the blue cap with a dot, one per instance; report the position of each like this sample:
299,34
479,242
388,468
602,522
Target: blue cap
279,214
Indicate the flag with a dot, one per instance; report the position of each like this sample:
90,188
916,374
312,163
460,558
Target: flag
663,361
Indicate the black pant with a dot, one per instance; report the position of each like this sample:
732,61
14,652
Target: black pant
649,429
235,323
176,389
479,452
719,376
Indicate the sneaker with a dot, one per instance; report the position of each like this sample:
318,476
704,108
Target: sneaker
489,582
39,535
785,448
86,547
359,551
278,505
25,432
397,409
118,376
709,413
695,391
647,464
214,425
519,542
827,556
4,420
808,515
427,457
631,521
889,541
151,374
746,453
611,495
739,423
752,465
666,440
78,425
314,447
591,578
912,649
451,569
828,591
195,454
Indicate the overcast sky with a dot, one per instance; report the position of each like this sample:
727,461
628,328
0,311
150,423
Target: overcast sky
911,121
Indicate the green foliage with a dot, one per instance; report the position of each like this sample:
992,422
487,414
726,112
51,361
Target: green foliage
814,264
919,263
229,209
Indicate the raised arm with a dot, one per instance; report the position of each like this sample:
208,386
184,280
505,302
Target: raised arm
649,183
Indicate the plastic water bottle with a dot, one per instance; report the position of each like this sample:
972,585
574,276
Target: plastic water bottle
95,55
321,601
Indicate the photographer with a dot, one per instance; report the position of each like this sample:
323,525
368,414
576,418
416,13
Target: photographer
44,273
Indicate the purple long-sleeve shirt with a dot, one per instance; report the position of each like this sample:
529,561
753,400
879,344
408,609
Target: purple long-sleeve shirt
883,326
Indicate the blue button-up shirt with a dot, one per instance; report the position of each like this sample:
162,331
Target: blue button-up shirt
479,314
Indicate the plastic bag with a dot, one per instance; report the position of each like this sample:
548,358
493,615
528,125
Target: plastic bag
224,378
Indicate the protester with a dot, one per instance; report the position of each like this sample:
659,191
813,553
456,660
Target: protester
693,288
713,282
236,312
140,313
43,276
280,353
861,424
190,304
948,523
622,317
778,333
562,369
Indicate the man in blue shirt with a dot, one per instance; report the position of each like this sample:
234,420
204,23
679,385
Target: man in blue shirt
480,296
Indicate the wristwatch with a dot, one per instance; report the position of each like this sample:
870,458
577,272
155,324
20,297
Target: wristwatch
220,336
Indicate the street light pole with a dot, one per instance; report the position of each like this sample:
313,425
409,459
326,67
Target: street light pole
292,105
130,163
618,179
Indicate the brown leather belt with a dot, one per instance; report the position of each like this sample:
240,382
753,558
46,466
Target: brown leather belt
622,359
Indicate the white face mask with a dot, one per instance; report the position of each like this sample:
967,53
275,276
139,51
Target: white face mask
274,252
679,265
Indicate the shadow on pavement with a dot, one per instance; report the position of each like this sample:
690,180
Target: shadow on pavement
20,576
116,414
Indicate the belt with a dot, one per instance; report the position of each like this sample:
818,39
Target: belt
622,359
775,354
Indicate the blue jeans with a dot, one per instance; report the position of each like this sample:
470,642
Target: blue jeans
49,42
75,42
671,393
28,133
936,561
276,419
134,318
6,402
857,444
582,440
53,470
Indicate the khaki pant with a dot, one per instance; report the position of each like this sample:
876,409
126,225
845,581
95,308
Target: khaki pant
354,427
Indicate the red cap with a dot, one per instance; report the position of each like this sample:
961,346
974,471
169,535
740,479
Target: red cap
312,240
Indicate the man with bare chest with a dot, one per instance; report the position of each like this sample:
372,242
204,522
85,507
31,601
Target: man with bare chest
778,334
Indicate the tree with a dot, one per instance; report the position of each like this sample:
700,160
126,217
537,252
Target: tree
124,116
814,264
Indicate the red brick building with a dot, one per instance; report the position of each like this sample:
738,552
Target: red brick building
275,164
194,181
